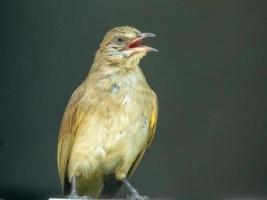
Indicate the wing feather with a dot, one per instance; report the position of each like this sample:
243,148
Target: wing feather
151,133
70,124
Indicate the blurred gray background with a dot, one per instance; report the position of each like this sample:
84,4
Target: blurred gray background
210,76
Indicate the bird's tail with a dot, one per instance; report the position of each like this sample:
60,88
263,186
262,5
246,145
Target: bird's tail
111,186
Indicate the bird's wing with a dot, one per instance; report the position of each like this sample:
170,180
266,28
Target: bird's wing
151,133
152,124
69,127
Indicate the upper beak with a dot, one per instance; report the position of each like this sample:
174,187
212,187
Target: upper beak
146,35
136,43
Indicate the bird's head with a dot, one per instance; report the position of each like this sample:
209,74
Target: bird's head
124,44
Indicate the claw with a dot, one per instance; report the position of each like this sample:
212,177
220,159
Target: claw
136,196
75,196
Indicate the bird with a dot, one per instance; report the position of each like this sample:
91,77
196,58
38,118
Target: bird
109,121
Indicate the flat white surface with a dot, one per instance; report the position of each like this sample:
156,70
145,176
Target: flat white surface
124,199
62,199
75,199
79,199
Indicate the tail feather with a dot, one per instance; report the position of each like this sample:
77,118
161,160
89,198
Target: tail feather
111,186
66,186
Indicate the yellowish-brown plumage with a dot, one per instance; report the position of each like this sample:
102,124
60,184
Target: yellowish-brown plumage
111,117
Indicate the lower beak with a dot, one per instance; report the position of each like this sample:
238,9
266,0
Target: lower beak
136,43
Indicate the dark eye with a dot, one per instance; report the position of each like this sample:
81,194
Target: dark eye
119,40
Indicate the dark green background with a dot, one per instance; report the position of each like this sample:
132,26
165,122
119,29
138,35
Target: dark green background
210,76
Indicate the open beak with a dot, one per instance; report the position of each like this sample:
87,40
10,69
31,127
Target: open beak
136,44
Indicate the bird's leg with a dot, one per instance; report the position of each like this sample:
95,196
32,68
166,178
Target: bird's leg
134,193
73,192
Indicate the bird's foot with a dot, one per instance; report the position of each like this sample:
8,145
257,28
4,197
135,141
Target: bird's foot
86,197
137,196
73,195
134,195
76,196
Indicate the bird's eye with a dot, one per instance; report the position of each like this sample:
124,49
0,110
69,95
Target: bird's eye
119,40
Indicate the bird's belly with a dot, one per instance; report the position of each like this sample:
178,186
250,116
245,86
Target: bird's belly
124,146
105,145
